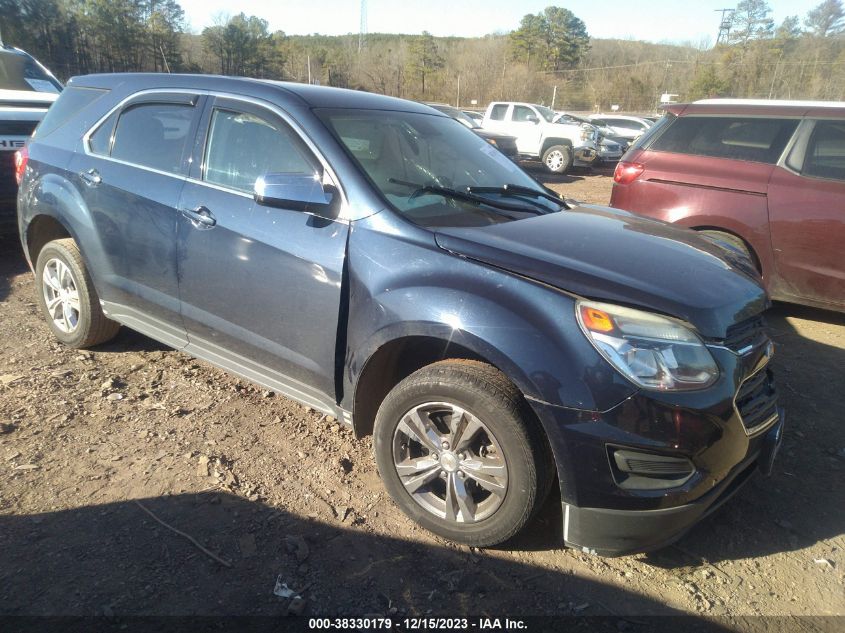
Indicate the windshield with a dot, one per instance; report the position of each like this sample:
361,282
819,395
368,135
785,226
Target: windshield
21,72
412,159
546,113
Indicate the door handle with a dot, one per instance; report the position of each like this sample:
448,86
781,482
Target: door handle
199,217
91,177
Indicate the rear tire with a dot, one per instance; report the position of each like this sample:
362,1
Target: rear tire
461,453
558,159
67,297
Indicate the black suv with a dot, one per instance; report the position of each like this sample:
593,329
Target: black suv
378,261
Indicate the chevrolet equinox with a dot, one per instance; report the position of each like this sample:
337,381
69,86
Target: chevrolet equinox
376,260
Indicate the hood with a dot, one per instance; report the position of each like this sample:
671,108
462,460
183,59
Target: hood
610,255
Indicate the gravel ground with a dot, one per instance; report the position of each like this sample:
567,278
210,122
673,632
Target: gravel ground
100,449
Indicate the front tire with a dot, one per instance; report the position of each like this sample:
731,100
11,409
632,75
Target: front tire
461,454
67,297
558,159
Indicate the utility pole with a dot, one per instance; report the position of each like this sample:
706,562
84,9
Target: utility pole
725,25
308,58
163,57
362,28
458,99
554,96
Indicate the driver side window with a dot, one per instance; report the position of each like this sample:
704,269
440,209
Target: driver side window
521,114
241,147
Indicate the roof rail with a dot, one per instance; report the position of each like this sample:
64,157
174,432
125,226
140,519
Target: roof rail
774,102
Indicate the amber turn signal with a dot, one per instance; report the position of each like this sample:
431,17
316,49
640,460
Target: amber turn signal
596,320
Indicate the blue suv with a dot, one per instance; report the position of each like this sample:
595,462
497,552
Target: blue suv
376,260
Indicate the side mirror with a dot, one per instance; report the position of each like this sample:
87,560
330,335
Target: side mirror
532,118
298,192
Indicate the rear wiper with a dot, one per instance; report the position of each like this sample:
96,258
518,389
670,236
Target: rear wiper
519,190
461,195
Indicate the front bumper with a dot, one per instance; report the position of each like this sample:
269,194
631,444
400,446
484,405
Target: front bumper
585,156
610,532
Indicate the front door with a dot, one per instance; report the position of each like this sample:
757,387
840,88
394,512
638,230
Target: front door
260,287
525,125
807,217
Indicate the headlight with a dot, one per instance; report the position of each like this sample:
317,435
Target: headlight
650,350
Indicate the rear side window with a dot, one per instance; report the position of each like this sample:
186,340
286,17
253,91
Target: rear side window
498,112
759,140
71,101
242,147
153,135
825,157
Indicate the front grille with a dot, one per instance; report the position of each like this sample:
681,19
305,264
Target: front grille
17,128
740,336
756,401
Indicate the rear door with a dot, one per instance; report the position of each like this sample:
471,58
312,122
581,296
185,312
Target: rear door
260,287
807,215
131,175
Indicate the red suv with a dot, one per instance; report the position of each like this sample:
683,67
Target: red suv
763,177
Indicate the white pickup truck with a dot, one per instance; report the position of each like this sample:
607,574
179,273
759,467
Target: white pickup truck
558,145
26,91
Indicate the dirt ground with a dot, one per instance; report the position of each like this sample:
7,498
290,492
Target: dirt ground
99,449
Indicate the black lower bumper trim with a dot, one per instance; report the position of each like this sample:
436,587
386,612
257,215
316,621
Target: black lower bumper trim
610,532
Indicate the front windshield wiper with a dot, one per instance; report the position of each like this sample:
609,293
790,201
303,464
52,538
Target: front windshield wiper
462,195
519,190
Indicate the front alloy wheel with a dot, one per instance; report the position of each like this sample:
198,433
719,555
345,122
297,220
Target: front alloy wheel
460,452
450,462
558,159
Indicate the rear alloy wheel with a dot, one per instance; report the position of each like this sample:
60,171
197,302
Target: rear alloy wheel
558,159
67,297
460,452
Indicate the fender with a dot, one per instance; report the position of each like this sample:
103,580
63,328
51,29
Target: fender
526,329
55,197
549,141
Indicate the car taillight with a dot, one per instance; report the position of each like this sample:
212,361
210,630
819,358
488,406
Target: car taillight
21,158
626,173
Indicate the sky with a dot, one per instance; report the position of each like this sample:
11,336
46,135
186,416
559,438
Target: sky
694,21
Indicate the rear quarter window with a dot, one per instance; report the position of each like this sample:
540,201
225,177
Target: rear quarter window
825,156
648,137
71,101
759,140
